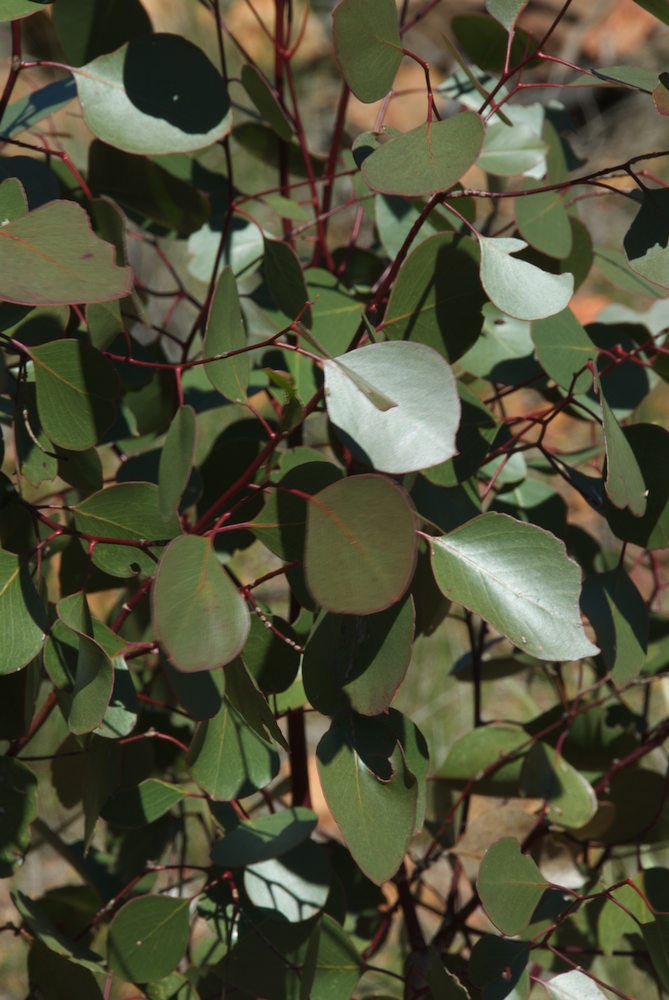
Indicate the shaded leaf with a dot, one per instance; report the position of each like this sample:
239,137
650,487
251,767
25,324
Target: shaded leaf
518,288
294,886
624,483
39,924
360,550
265,837
619,616
428,159
93,684
176,460
647,240
28,111
148,937
22,619
506,11
198,615
511,149
563,348
267,104
99,27
132,808
225,332
285,280
18,799
368,46
12,9
510,886
418,430
156,94
483,565
478,750
547,775
650,447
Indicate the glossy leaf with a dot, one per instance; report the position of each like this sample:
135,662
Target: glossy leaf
625,486
368,46
428,159
225,332
482,565
619,617
418,430
360,550
22,618
51,257
574,985
266,837
148,937
437,297
363,775
77,389
510,886
358,663
199,616
156,94
129,512
518,288
176,460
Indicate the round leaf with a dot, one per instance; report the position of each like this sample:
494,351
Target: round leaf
368,46
518,288
360,550
506,11
534,603
77,389
148,937
417,425
22,618
51,257
428,159
156,94
198,614
510,886
546,775
543,221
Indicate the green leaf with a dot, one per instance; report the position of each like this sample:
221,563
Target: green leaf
99,27
360,550
225,332
51,257
285,280
156,94
442,982
485,42
661,95
650,447
510,886
546,775
176,460
293,887
10,10
563,348
129,512
506,12
77,388
483,565
419,430
39,924
499,967
478,750
625,486
437,297
370,792
615,267
13,200
647,240
368,46
335,314
511,149
619,616
358,663
272,659
429,159
22,618
18,800
93,684
266,837
574,985
198,615
148,937
228,759
266,102
132,808
542,220
518,288
657,8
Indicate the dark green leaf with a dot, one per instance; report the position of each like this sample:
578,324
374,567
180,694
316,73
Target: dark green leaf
272,654
225,332
430,158
370,792
18,800
418,430
564,348
650,447
77,389
543,221
22,618
148,937
176,460
499,967
619,617
656,7
285,280
12,9
506,11
360,550
546,775
510,886
482,748
93,684
624,483
483,566
133,808
198,614
647,240
50,936
157,94
437,297
263,838
52,257
294,886
368,46
263,96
